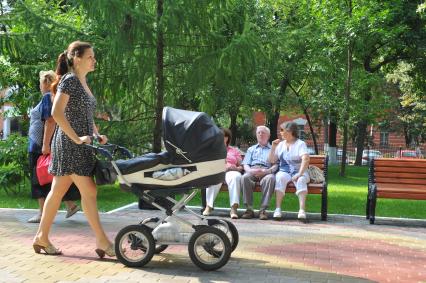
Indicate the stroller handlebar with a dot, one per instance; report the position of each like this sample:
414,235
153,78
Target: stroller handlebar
100,150
108,150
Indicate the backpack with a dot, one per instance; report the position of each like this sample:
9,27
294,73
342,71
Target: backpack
315,174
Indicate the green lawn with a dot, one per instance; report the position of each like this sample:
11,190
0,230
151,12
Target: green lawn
346,196
109,198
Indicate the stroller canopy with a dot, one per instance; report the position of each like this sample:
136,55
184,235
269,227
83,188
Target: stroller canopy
191,137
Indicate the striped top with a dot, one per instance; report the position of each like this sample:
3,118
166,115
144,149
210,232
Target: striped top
40,113
257,155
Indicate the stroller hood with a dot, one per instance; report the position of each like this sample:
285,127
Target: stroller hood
191,137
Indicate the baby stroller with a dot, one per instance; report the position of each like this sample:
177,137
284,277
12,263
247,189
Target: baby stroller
194,158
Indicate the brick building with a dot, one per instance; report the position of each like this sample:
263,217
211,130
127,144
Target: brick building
378,139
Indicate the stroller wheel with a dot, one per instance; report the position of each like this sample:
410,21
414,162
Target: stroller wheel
134,245
209,248
228,228
148,222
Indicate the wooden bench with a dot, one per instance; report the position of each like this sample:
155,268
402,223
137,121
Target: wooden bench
395,179
317,160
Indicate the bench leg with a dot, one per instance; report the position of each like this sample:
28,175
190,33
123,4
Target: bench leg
324,204
367,206
373,201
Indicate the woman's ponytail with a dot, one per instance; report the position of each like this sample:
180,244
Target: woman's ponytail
62,67
66,61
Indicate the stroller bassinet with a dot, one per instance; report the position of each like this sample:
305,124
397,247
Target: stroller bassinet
193,142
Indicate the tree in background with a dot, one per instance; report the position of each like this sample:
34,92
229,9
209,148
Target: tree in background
225,57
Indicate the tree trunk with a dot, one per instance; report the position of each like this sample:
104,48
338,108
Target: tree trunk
332,134
159,80
361,129
273,120
347,99
407,136
332,138
311,128
305,111
233,126
273,125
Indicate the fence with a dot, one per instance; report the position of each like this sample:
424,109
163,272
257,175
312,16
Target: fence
368,153
371,152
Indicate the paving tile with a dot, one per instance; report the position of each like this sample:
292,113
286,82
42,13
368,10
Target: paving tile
343,249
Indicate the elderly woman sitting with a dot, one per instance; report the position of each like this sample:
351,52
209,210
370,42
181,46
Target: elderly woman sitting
292,154
232,179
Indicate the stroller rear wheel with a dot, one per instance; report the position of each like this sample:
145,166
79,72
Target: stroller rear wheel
230,231
209,248
152,220
134,245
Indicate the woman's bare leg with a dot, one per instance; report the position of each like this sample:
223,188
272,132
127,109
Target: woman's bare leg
53,200
88,192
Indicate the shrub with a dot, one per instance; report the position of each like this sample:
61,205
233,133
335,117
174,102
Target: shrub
14,160
11,178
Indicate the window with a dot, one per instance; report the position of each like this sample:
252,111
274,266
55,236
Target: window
384,138
301,132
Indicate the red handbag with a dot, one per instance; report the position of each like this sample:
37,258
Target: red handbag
43,175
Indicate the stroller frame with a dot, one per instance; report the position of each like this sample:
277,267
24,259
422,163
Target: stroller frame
210,240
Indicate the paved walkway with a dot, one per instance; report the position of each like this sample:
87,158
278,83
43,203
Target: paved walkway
343,249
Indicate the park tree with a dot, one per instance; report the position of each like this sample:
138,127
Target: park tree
165,53
392,32
373,38
288,40
412,110
149,53
31,34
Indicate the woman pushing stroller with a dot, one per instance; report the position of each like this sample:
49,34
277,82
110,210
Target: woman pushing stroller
73,110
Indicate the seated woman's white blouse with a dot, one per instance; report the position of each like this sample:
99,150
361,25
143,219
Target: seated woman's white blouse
290,156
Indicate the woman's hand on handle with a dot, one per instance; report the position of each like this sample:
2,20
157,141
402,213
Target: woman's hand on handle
85,139
102,139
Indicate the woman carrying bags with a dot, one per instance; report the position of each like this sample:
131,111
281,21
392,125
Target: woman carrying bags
42,127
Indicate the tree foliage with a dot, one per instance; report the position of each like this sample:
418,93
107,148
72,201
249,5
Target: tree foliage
227,58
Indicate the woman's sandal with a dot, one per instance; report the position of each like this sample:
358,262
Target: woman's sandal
49,249
110,251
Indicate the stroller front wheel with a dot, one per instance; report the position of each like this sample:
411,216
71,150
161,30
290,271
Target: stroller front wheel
209,248
228,228
134,245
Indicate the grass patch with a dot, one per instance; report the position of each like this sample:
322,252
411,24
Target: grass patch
346,195
109,197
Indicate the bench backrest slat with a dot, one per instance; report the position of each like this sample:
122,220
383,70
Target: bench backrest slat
391,162
406,186
411,175
399,169
387,180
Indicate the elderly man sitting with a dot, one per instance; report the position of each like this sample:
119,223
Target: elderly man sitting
258,169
